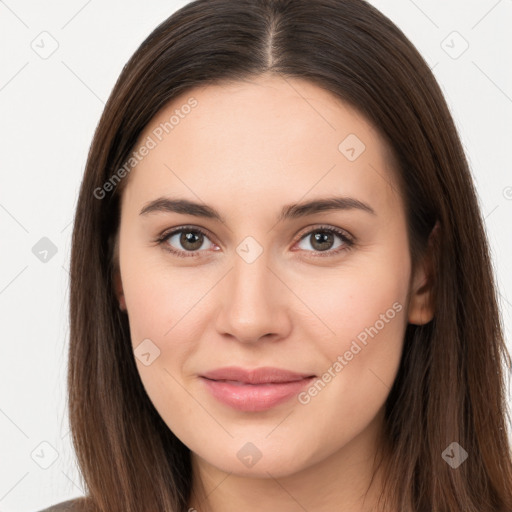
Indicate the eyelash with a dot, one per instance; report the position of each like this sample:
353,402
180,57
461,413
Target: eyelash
348,242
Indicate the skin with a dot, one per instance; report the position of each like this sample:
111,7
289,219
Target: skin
248,149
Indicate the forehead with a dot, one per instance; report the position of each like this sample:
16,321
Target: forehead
245,141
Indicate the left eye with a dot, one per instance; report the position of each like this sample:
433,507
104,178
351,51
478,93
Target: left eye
322,240
192,240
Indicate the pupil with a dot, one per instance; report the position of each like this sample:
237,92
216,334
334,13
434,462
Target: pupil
322,238
191,238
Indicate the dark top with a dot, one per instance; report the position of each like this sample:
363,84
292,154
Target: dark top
66,506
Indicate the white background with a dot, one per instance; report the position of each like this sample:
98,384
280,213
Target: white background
49,110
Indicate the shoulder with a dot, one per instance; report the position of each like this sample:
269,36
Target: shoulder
75,505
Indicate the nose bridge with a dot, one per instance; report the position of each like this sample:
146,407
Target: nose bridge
250,274
250,305
250,282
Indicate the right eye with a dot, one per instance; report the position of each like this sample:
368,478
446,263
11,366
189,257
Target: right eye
190,238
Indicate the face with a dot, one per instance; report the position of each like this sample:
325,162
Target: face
318,291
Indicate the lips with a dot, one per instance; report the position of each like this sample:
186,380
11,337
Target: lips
263,375
254,390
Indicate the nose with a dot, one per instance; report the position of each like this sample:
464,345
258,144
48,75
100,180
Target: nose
253,302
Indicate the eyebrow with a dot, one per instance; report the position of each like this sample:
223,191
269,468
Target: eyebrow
291,211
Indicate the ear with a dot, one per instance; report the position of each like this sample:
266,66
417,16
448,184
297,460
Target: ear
118,286
421,302
118,283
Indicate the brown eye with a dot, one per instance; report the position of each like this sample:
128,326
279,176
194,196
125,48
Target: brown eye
324,240
188,241
191,240
183,240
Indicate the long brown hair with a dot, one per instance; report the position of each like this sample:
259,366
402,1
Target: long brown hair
450,384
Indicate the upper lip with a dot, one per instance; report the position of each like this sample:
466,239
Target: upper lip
261,375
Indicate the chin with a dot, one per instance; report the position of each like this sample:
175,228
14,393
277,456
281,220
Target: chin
257,459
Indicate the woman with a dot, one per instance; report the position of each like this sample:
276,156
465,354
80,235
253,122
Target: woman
281,289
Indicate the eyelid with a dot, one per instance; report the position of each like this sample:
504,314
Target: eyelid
324,227
162,239
348,239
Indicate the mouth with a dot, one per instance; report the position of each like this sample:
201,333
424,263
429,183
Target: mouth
254,390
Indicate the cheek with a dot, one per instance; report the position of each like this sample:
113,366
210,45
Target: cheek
364,320
159,299
356,300
162,306
166,316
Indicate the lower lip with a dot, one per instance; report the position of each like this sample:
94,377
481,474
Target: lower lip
254,397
